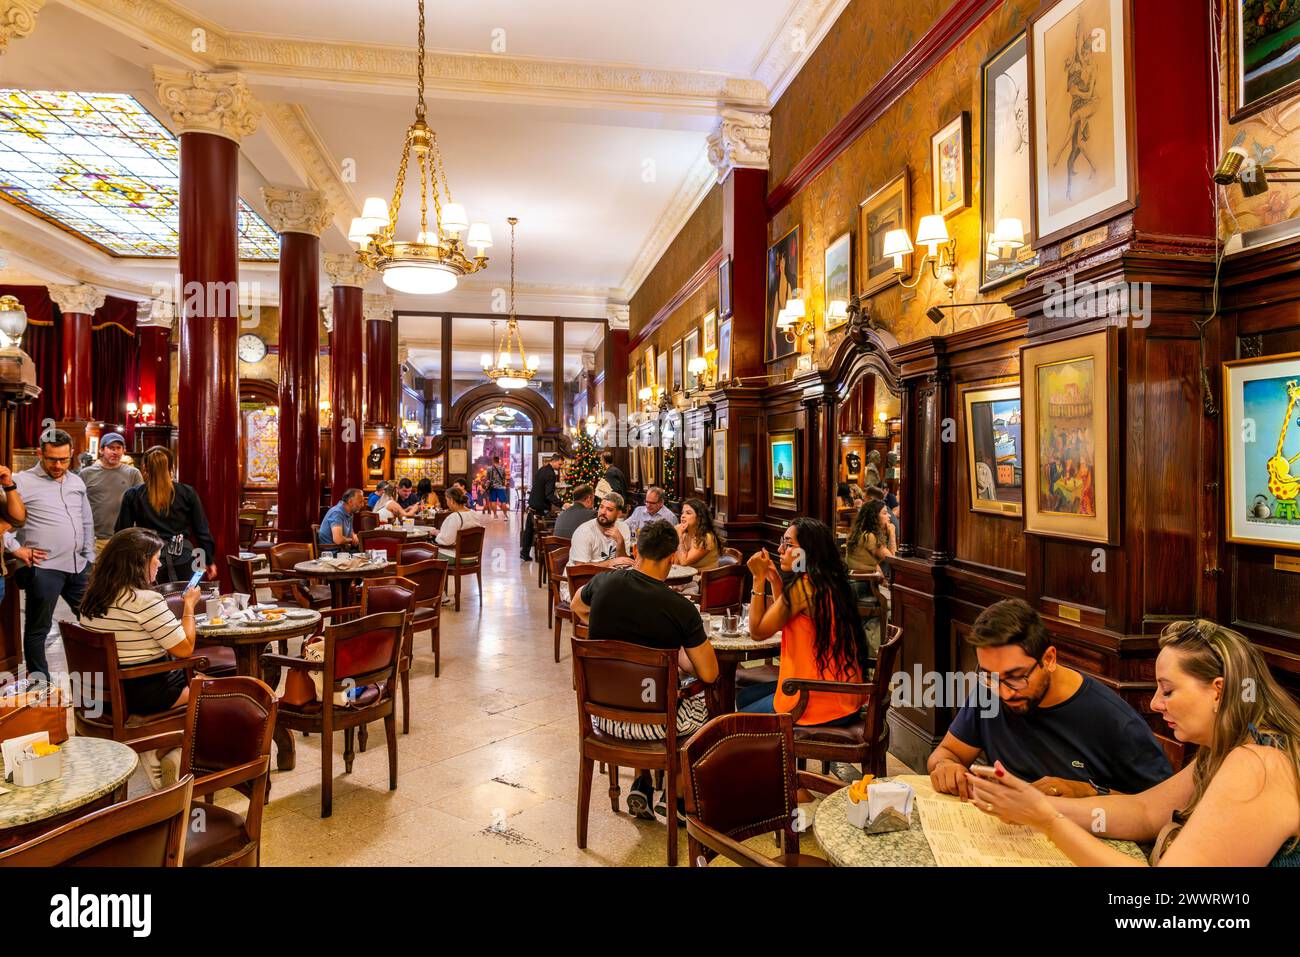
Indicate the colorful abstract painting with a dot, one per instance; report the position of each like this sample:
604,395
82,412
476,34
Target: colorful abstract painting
1262,431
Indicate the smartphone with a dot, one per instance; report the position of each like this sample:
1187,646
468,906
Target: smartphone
198,576
983,770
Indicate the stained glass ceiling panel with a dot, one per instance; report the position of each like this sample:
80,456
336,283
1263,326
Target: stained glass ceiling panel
101,166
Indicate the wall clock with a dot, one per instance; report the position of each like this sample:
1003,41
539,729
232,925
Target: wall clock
251,348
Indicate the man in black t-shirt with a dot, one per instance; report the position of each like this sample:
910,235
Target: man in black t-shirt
542,497
614,475
1067,733
634,605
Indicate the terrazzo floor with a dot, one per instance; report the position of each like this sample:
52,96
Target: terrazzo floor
489,772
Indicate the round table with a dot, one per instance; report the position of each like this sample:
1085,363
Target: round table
415,533
95,772
340,579
681,574
849,846
730,651
248,642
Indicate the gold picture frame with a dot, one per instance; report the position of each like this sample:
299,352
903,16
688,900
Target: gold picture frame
1261,399
995,449
889,207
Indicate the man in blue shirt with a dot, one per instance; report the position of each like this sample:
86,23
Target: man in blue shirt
1064,731
336,527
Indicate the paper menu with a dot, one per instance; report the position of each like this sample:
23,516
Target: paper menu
961,835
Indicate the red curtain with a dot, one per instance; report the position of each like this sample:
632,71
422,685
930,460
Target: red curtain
41,342
115,360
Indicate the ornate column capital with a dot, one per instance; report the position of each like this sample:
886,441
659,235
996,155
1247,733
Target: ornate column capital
742,140
327,314
83,298
162,314
403,353
377,306
17,20
345,269
589,362
618,316
217,103
293,210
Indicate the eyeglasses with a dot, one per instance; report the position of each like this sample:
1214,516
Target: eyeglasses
1018,683
785,543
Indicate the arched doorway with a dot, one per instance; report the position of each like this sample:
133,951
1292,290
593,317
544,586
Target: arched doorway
506,431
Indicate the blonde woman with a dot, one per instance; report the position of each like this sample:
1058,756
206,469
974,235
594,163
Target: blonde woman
1236,805
173,512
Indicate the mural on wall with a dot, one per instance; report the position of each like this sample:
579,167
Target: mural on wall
262,446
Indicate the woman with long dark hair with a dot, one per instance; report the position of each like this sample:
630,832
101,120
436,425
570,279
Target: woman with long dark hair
817,614
699,541
428,497
870,543
173,512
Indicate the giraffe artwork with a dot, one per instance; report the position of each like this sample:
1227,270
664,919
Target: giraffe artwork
1263,446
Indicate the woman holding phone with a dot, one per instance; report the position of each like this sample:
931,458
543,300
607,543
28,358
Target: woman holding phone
1237,804
173,512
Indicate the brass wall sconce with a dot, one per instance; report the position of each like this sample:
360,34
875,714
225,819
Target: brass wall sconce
941,254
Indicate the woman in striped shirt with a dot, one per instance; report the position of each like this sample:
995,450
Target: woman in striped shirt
119,599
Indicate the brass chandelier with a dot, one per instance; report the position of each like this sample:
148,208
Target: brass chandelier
502,369
436,260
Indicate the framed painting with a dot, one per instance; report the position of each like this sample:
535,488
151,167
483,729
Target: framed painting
1069,392
724,350
995,449
1004,169
458,461
1081,147
782,479
631,392
691,350
677,367
661,370
1261,402
839,281
950,166
724,287
889,207
782,286
710,327
719,461
1262,66
650,366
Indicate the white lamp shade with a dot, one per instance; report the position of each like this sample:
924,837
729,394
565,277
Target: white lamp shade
503,361
698,365
932,232
897,245
359,230
375,208
795,309
645,394
1009,234
453,218
423,279
784,319
13,317
480,236
486,360
838,309
534,361
427,237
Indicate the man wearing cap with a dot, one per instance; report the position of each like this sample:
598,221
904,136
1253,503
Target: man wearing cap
106,482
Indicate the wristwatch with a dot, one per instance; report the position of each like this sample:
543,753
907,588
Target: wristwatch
9,488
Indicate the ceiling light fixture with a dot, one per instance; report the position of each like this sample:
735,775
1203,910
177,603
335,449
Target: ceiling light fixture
436,260
504,372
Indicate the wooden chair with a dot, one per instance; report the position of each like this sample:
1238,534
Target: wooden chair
469,559
543,525
391,542
611,679
413,552
740,782
359,654
285,592
864,742
365,521
440,516
733,553
577,577
545,543
430,578
284,556
221,658
315,544
101,712
226,744
722,588
554,559
146,832
255,535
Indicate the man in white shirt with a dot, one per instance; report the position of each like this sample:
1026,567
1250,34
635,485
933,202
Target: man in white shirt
604,539
654,510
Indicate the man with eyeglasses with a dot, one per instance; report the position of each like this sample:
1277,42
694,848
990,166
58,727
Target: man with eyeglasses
1064,731
654,510
56,545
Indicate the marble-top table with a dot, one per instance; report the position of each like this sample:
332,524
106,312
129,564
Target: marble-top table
413,532
341,579
94,769
731,650
848,846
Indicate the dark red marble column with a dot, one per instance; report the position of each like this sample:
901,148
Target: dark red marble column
155,371
299,481
75,362
744,238
381,371
347,277
208,384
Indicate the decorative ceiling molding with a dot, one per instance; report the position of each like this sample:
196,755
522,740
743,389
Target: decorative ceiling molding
741,141
327,314
699,180
292,210
206,102
297,138
618,314
174,29
804,27
162,314
17,20
83,298
48,262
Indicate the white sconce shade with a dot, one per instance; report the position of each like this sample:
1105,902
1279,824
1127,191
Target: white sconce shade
784,320
359,230
1008,236
504,360
795,308
453,218
375,209
480,237
697,366
897,245
486,360
837,309
932,232
533,362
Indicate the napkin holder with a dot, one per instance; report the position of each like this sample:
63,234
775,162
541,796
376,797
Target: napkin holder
887,819
30,770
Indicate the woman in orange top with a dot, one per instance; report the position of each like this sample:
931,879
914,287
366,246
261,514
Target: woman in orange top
821,632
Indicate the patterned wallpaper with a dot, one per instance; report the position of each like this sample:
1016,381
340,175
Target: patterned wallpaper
695,243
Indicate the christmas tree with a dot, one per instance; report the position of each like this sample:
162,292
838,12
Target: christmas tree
586,468
670,471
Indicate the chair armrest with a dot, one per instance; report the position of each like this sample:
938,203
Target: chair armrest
342,610
817,782
693,687
219,780
861,576
161,667
160,742
287,661
728,848
803,687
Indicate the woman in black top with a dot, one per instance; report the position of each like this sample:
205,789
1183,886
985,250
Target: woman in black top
173,512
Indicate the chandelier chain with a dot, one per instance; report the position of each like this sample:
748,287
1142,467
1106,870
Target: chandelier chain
419,68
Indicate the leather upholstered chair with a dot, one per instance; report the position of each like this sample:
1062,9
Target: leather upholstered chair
430,578
722,588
